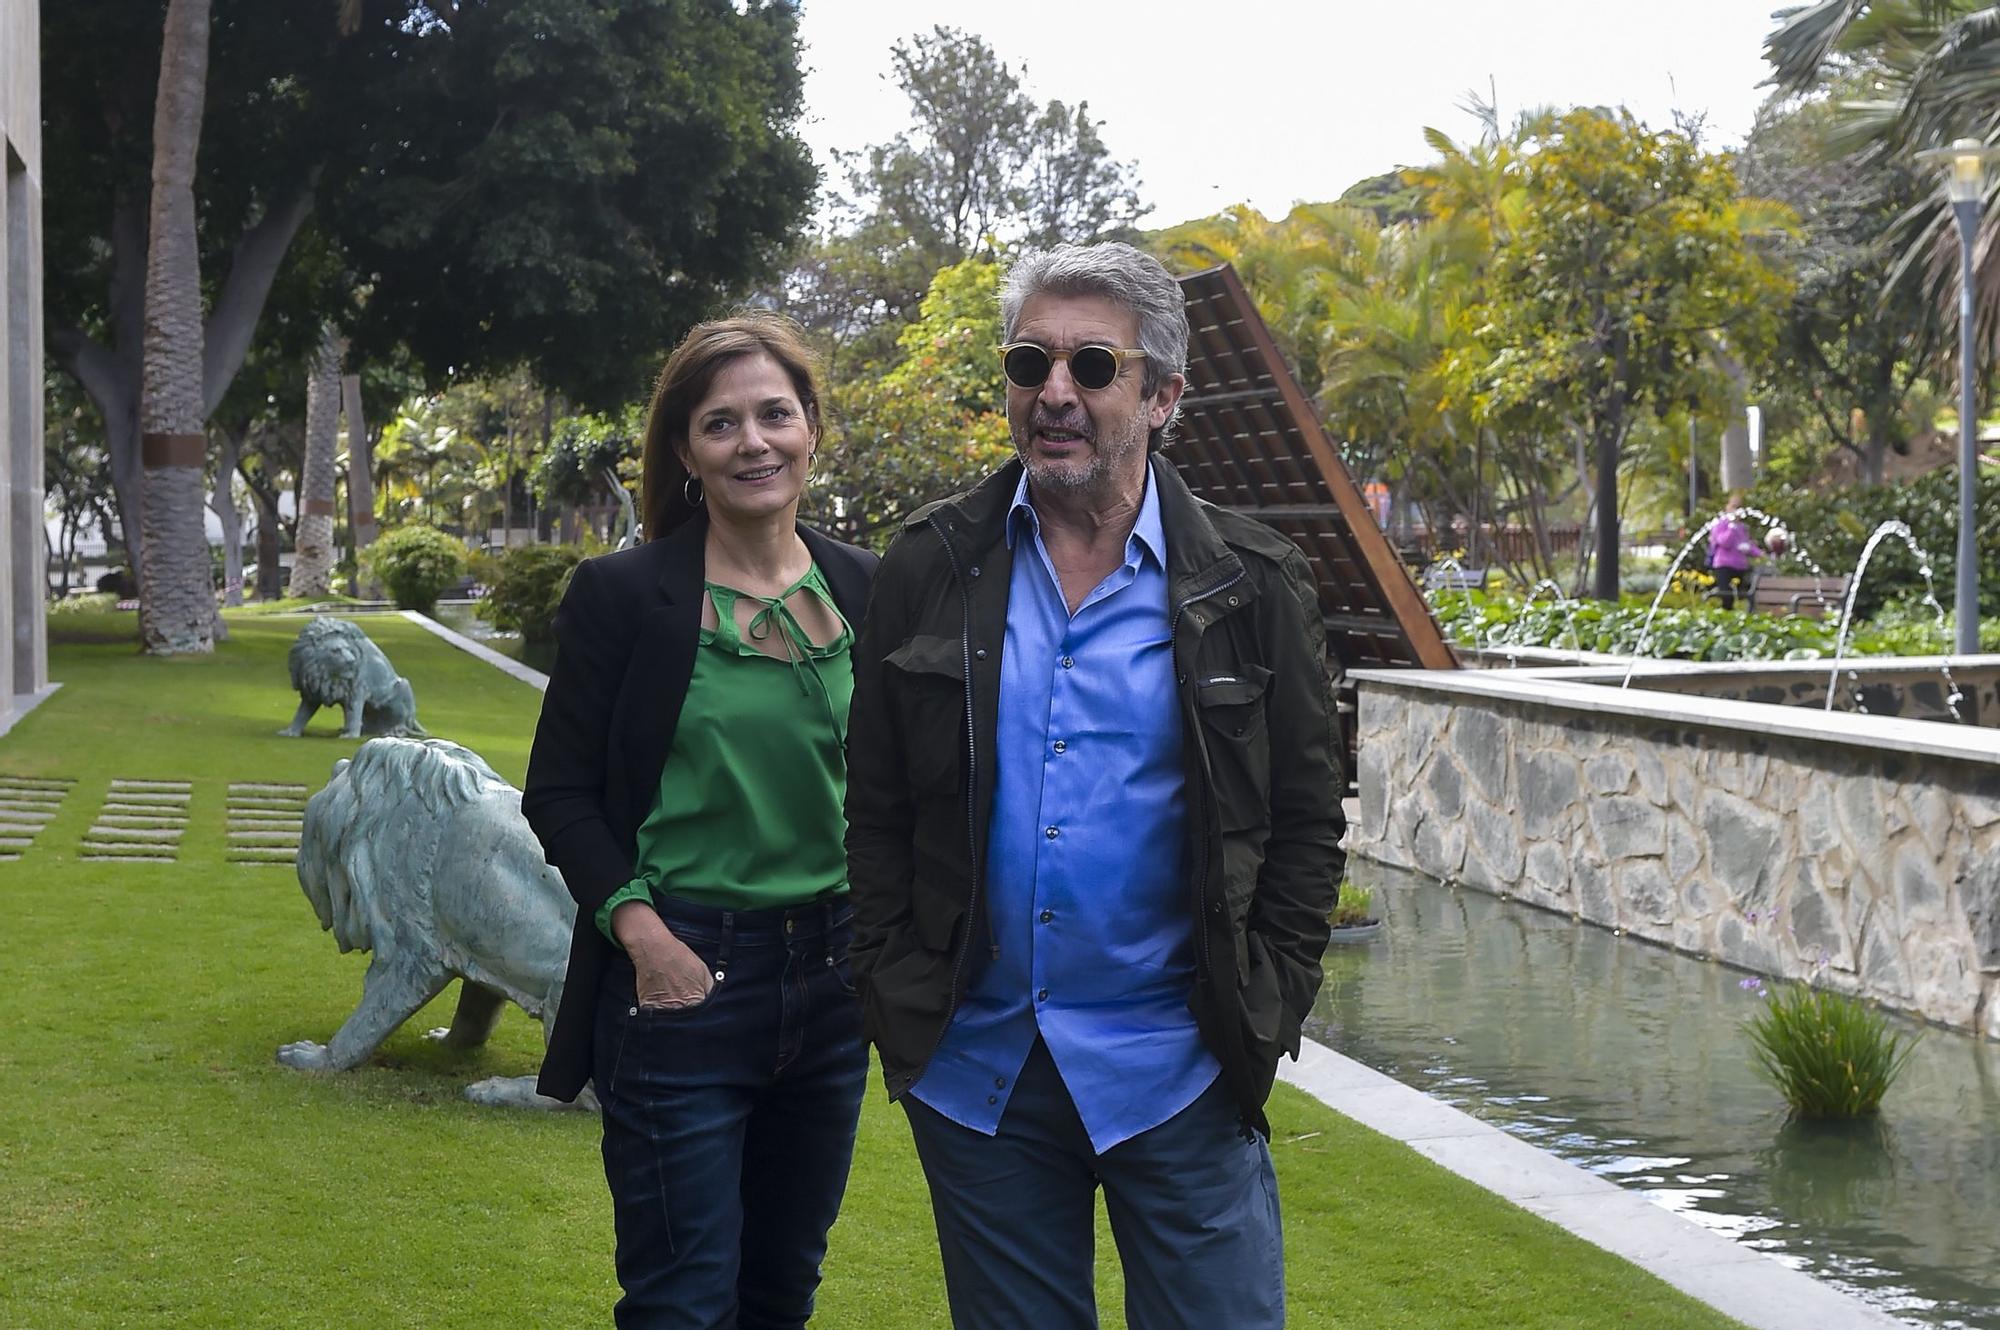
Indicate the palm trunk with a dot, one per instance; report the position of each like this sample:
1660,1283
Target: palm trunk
177,605
360,463
270,577
312,559
223,503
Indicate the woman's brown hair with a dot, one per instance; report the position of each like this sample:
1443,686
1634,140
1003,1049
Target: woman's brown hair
690,372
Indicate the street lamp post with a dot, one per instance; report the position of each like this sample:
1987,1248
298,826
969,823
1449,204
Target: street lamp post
1965,186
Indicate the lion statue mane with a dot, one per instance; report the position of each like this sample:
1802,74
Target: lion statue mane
416,850
334,664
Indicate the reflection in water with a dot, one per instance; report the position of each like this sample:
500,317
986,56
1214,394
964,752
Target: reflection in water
460,617
1630,1061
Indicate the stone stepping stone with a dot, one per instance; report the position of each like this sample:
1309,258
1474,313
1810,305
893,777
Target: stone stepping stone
145,819
245,801
27,805
262,854
123,858
258,787
102,832
128,810
180,786
158,797
247,838
131,847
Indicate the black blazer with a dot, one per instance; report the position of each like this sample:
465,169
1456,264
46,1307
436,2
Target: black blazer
626,635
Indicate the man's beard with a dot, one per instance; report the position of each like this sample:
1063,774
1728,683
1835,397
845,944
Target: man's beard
1109,456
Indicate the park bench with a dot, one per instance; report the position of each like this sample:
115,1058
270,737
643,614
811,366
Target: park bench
1813,597
1454,579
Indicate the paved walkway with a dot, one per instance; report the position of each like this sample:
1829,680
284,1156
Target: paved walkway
1754,1288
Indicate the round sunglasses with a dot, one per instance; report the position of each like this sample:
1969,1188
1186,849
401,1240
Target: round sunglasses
1027,365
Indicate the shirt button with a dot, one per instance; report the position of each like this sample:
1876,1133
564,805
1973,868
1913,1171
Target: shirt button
1041,995
1061,747
1069,662
979,654
999,1082
993,1099
1053,832
1047,915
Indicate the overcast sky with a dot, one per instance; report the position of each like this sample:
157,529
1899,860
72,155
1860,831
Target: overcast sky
1278,101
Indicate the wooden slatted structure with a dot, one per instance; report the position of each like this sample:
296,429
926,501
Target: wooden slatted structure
1249,441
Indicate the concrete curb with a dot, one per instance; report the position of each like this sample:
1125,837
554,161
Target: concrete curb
535,679
24,703
1756,1289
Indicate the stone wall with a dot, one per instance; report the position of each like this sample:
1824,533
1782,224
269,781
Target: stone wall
1876,869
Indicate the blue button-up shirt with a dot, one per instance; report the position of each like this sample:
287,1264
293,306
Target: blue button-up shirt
1085,884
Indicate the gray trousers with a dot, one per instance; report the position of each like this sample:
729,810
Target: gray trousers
1193,1205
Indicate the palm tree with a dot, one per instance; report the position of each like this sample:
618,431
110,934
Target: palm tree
1931,69
177,606
312,565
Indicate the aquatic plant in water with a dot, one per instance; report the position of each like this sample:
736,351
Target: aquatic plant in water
1354,906
1830,1055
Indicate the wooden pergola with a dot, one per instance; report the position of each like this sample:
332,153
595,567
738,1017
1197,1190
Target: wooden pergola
1250,442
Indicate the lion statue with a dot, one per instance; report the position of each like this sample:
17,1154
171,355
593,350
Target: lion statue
416,850
335,665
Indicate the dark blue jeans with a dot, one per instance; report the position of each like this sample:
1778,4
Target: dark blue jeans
1193,1205
728,1126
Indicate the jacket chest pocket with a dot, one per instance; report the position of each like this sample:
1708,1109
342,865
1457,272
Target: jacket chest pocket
1237,735
926,680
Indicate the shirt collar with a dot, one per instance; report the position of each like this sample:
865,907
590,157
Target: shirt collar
1149,530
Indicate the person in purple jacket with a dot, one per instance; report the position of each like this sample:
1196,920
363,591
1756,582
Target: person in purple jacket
1730,551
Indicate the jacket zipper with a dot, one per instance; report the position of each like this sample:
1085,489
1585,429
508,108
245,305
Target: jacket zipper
1201,740
971,776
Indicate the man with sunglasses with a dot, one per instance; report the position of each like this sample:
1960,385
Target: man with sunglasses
1093,833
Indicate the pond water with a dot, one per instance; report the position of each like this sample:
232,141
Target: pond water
461,616
1629,1060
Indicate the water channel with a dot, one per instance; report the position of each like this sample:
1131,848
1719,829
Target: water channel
1629,1060
461,616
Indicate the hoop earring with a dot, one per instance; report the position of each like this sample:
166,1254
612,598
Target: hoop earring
691,491
812,460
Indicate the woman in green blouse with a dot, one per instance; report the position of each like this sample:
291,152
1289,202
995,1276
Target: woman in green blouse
687,780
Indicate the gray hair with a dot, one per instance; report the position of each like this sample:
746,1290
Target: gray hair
1124,275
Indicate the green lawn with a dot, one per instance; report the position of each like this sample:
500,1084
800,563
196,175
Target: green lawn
159,1168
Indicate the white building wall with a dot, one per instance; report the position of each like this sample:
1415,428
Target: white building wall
24,638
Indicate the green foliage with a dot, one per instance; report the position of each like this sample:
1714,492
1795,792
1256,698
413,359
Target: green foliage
1849,355
416,563
1833,526
525,585
571,471
981,164
95,603
1354,906
1830,1055
1706,632
931,425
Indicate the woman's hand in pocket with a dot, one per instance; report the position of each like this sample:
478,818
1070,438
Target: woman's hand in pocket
670,976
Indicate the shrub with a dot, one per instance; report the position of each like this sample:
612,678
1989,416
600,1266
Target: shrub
1833,525
98,603
1354,907
1830,1055
416,564
1689,632
524,586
